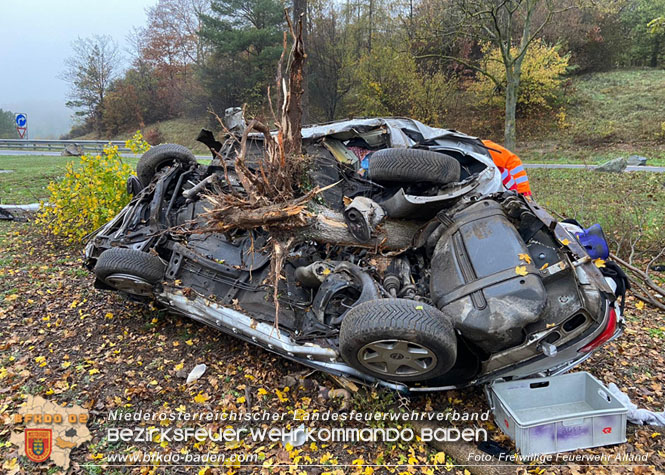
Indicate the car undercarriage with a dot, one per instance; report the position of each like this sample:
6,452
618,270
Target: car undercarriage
417,270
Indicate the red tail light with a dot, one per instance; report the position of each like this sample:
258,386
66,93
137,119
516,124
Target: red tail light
606,335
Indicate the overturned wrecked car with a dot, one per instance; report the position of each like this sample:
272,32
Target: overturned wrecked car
418,270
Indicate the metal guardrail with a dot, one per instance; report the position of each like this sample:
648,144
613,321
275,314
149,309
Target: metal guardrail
57,145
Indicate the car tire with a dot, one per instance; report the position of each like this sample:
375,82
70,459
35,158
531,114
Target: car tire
398,340
130,270
413,166
160,156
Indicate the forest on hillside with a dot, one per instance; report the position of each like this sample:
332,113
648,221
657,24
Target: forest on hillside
426,59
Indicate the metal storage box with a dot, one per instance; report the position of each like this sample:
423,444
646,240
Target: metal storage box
558,414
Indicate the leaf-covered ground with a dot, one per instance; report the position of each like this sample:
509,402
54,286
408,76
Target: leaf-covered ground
65,341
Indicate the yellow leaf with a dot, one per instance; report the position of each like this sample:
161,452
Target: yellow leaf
639,305
525,257
66,364
565,242
262,392
93,371
521,270
599,263
655,434
189,342
545,266
440,458
11,298
241,400
201,398
179,366
10,464
281,396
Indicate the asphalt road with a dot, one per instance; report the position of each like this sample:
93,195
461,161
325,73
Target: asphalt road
45,153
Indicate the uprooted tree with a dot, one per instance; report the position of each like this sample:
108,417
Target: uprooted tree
272,197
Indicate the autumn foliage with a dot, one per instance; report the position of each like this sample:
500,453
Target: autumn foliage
89,194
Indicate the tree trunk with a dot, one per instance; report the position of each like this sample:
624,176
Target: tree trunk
512,84
369,36
300,11
330,227
655,51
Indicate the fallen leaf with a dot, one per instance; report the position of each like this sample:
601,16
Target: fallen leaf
639,305
201,398
525,257
599,263
521,270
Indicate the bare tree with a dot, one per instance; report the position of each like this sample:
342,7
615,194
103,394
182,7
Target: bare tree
301,14
90,70
509,25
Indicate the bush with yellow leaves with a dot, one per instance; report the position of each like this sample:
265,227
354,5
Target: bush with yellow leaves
89,194
541,76
137,144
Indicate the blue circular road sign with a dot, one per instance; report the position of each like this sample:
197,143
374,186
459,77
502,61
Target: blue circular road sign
21,120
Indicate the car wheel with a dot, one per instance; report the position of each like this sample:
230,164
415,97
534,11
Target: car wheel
398,340
160,156
413,166
129,270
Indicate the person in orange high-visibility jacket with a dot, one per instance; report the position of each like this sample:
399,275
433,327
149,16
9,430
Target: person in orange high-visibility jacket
513,174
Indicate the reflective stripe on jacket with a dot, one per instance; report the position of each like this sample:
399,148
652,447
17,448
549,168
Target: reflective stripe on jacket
513,174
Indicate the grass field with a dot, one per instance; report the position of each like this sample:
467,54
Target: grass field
31,174
627,205
608,115
618,107
180,131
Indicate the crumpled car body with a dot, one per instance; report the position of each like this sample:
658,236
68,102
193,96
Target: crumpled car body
490,287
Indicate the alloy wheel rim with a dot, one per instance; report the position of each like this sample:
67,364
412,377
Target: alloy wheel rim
130,284
397,358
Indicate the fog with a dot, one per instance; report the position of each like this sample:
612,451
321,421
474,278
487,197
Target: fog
35,39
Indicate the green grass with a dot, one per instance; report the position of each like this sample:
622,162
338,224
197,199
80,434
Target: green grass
180,131
538,153
618,106
608,115
31,174
629,206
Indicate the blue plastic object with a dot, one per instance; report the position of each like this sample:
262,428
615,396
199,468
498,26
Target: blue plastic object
593,240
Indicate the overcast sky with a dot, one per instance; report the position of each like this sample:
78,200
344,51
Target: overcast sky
35,39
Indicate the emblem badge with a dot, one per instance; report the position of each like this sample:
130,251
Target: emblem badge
38,444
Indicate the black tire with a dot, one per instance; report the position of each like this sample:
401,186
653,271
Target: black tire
140,264
416,324
412,165
160,156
